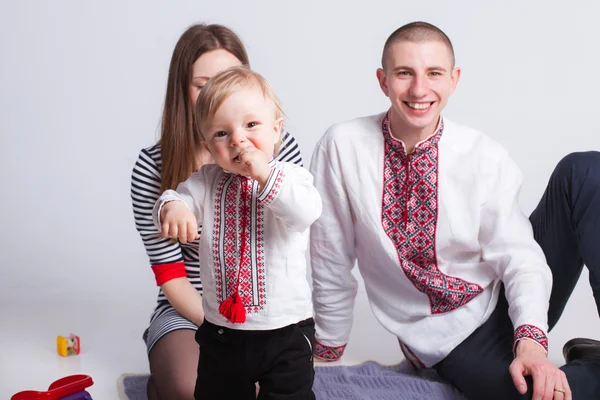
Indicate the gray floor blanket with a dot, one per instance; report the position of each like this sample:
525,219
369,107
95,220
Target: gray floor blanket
368,381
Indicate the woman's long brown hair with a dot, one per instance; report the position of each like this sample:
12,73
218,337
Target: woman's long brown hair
179,136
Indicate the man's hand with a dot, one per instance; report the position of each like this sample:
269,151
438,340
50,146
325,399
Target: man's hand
549,382
178,222
254,163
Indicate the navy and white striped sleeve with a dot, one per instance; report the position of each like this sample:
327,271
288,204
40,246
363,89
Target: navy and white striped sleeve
165,254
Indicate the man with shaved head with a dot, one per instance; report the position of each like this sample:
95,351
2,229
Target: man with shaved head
429,210
417,32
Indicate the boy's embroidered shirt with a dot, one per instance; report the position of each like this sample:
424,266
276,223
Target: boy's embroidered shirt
273,277
169,259
434,234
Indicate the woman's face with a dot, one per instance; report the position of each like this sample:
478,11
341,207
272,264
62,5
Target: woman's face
208,65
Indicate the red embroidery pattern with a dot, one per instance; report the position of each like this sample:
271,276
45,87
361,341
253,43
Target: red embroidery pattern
409,218
328,353
274,186
227,237
531,332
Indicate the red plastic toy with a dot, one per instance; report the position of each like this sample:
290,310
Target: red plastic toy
68,388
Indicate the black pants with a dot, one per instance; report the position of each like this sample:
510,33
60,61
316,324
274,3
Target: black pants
231,361
566,224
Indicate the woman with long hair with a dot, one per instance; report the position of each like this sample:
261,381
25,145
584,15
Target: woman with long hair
201,52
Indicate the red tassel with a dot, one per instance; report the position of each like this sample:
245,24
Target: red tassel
233,309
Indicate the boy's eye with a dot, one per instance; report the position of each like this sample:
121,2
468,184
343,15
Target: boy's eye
252,124
220,134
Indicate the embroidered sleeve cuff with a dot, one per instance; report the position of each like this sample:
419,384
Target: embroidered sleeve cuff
165,272
328,353
272,188
533,333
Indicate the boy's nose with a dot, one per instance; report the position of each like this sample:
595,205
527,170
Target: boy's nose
238,138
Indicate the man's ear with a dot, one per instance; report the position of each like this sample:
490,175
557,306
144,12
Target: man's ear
455,77
382,78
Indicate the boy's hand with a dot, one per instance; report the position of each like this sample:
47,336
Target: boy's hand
255,163
178,222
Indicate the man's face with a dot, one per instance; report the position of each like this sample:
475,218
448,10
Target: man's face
418,78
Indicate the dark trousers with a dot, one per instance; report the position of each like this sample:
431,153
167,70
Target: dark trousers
566,224
231,361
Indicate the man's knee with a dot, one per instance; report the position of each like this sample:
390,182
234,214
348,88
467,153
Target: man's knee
577,164
479,378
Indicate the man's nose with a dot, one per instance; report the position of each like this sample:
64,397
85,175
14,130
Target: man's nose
419,86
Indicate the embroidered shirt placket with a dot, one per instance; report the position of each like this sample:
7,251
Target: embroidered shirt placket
413,180
407,188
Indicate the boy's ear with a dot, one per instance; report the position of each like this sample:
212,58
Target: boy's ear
277,127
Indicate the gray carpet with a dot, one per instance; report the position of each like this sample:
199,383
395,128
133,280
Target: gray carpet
359,382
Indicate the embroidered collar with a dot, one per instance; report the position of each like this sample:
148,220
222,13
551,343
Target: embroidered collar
421,147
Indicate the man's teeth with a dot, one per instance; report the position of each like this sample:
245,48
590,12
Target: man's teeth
419,106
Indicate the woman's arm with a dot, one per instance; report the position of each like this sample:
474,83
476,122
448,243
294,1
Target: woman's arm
184,297
164,254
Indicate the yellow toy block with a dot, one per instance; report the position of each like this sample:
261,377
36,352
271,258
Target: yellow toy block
68,346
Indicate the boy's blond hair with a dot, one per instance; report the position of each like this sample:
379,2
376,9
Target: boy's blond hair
224,84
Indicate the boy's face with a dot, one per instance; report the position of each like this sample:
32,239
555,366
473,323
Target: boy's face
245,119
419,78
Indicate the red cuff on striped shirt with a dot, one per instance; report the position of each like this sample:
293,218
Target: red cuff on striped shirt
165,272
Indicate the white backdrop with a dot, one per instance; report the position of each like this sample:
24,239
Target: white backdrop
82,86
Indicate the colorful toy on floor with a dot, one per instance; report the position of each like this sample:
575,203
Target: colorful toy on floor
68,346
68,388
